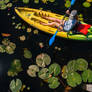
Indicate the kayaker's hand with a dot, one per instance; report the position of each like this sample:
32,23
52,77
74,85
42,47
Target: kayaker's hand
67,12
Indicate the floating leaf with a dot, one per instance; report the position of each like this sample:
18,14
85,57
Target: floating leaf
71,66
22,38
44,1
2,48
64,72
9,50
9,5
26,1
43,59
43,73
51,1
82,64
15,68
86,4
74,79
32,69
54,69
12,45
87,76
67,4
36,1
6,1
35,31
15,86
53,82
3,7
29,30
5,41
27,54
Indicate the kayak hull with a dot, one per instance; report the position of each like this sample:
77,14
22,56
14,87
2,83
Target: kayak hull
34,17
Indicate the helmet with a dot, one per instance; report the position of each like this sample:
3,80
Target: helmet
73,14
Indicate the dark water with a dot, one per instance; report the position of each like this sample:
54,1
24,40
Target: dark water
70,49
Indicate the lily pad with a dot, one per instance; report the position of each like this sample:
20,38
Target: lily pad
51,1
82,64
43,73
64,72
43,59
67,4
86,4
2,48
53,82
15,86
9,50
15,68
71,66
26,1
74,79
36,1
32,70
5,41
87,76
27,54
54,69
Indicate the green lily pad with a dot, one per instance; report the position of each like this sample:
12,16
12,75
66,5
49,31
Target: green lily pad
54,69
82,64
27,54
53,82
26,1
43,59
2,48
36,1
32,70
5,41
6,1
43,73
87,76
51,1
64,72
86,4
15,86
9,50
71,66
67,4
74,79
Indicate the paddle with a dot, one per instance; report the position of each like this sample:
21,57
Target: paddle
52,39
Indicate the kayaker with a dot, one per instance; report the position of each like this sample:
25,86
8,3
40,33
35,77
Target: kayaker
66,25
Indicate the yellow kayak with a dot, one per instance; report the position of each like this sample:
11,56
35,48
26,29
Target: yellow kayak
34,17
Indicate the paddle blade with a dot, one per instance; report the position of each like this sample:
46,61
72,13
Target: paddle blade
52,39
72,2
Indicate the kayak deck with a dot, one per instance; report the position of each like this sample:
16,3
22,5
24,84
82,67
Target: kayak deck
34,17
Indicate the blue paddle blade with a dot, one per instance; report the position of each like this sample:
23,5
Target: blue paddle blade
52,39
72,2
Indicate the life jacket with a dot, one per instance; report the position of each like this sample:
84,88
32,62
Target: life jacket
83,28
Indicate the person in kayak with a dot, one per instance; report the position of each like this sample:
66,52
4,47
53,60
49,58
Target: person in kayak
66,25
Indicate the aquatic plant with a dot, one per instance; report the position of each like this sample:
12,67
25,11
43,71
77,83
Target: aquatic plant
87,76
22,38
2,48
5,41
36,1
44,1
27,54
15,68
82,64
32,70
25,1
51,1
74,79
53,82
86,4
9,50
80,17
43,59
54,69
71,66
4,4
15,86
43,73
67,3
64,72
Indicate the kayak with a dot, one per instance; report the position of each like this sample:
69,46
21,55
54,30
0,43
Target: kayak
35,16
